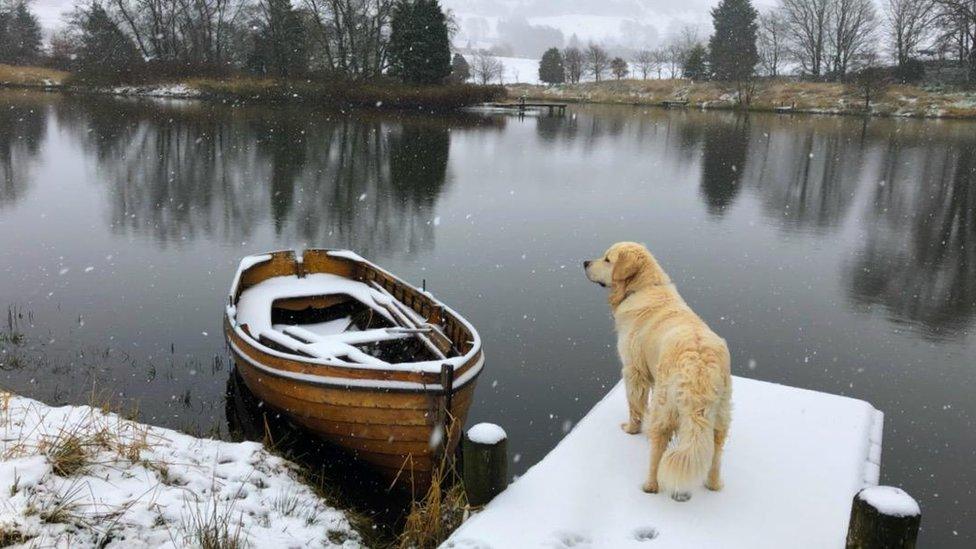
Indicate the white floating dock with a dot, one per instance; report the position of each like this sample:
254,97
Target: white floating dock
792,464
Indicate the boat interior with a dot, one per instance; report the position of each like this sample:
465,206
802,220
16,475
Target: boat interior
342,320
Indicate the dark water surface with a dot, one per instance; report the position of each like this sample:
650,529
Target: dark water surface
832,253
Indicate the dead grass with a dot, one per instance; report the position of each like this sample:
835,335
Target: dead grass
812,97
338,93
11,75
441,511
11,535
213,526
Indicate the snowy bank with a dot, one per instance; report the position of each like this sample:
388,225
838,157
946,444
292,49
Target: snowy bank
793,462
167,91
75,476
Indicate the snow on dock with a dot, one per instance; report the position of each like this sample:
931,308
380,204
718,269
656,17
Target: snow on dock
792,464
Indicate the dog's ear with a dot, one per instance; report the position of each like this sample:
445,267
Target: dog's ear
628,264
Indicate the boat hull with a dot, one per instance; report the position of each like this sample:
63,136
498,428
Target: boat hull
401,422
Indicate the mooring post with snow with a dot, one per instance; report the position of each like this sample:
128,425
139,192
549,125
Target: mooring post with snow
485,462
883,517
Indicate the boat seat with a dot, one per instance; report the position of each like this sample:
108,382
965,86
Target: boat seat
299,340
255,303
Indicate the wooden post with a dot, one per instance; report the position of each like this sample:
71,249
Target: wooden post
883,517
485,462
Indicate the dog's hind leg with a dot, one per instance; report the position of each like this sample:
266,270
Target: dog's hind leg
714,480
660,432
638,389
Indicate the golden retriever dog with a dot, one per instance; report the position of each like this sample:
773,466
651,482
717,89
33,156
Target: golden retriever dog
669,353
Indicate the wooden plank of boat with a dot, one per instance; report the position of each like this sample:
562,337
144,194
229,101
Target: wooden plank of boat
400,367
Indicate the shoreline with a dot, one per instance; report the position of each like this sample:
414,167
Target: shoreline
774,97
340,95
84,476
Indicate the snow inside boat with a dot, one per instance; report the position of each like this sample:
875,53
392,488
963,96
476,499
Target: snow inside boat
355,355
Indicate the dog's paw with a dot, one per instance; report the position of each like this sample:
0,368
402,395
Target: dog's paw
630,428
681,496
650,487
714,485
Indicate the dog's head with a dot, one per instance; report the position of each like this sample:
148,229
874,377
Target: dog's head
625,267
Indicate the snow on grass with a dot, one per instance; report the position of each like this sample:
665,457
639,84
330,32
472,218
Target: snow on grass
77,476
792,465
174,91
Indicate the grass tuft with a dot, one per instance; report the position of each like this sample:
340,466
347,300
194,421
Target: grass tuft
11,535
442,509
212,526
67,455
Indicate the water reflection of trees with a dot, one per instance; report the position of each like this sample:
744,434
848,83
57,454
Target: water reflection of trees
806,177
183,170
724,154
22,127
918,259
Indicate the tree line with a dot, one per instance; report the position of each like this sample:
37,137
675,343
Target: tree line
347,39
825,40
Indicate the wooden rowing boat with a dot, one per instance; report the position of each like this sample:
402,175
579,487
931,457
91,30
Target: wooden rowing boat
355,355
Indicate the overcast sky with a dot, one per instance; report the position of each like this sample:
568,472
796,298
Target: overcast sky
49,11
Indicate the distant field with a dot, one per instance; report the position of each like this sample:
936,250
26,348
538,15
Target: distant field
831,98
30,76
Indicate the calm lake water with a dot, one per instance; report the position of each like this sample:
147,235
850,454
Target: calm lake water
832,253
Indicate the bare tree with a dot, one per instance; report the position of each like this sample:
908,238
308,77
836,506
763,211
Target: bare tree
909,23
871,81
597,61
771,41
188,31
674,57
351,34
573,63
486,68
661,61
807,23
646,62
675,51
852,32
957,36
619,68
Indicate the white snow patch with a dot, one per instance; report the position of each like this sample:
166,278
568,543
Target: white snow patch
173,91
793,458
142,486
254,305
891,501
486,433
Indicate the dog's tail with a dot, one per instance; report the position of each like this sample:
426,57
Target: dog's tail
685,464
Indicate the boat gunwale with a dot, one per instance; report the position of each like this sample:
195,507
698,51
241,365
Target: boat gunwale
468,365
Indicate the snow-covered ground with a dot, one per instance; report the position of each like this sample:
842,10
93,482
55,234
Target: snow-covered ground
74,476
792,465
519,70
174,91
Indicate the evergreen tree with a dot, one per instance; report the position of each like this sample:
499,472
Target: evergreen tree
733,53
104,52
460,69
695,66
619,68
551,69
420,50
20,35
279,45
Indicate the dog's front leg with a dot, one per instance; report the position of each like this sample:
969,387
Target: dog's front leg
637,391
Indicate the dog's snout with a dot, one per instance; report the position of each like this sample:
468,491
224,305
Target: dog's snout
586,264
